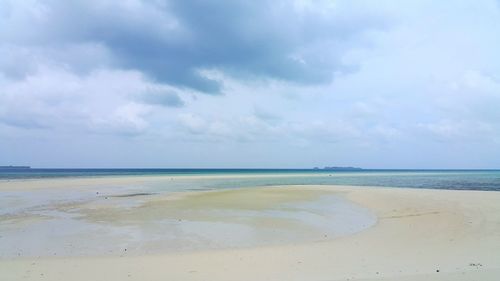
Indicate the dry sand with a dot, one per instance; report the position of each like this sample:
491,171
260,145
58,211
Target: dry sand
420,235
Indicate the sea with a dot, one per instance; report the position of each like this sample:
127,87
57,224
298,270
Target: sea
433,179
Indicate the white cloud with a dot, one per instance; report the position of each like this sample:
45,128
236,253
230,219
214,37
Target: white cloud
102,100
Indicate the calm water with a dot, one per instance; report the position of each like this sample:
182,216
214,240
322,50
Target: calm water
437,179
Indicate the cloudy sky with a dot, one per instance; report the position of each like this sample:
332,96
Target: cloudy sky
292,84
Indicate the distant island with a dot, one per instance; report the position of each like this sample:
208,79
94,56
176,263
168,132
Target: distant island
338,168
15,167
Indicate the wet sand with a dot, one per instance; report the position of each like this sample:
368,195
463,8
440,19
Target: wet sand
165,222
418,235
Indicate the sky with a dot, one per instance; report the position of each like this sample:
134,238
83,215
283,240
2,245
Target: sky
246,84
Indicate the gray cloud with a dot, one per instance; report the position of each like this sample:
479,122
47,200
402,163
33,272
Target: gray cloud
171,41
163,98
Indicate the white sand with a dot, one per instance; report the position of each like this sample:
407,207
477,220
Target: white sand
419,232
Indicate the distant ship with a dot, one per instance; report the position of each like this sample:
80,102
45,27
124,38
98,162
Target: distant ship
338,168
15,167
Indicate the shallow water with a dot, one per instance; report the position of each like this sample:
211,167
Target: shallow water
163,222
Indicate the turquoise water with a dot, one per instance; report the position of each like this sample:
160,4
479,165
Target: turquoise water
436,179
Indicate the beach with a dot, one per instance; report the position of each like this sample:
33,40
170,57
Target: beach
171,140
335,233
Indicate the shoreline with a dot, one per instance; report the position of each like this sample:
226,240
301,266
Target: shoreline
420,234
92,180
65,182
